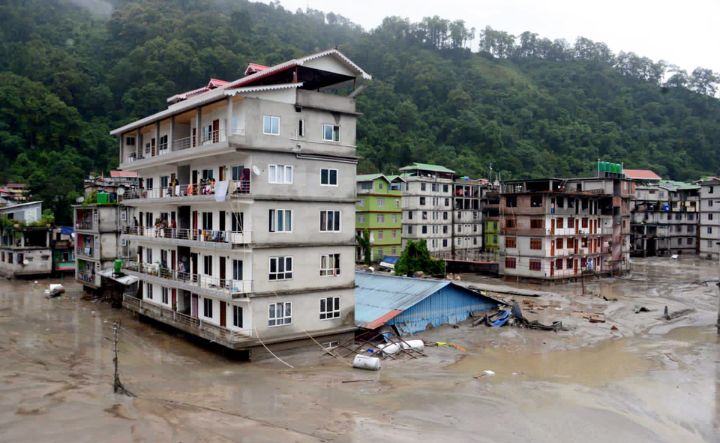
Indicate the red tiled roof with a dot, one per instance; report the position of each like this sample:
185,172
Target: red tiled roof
641,174
128,174
254,67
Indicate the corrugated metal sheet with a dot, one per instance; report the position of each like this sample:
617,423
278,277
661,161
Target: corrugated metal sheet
413,303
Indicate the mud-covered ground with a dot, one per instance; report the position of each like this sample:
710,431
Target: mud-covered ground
645,380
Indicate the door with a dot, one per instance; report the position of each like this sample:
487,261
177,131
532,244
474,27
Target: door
222,223
173,258
174,299
194,306
194,137
552,268
575,266
223,313
222,271
552,247
152,147
194,225
194,182
552,226
215,131
221,173
194,265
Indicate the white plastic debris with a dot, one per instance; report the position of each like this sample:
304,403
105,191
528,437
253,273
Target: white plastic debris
366,362
488,373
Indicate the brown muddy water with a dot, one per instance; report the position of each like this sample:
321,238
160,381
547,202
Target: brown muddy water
648,380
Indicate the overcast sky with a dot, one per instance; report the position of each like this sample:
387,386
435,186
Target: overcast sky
685,33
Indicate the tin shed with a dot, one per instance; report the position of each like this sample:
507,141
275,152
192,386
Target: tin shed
412,304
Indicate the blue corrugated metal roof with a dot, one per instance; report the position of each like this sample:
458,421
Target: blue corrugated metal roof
379,298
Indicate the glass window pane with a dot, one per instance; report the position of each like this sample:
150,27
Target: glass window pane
333,176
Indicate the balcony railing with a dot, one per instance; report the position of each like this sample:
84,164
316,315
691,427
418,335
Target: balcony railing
236,188
85,224
182,143
201,235
224,285
213,137
87,252
184,321
88,278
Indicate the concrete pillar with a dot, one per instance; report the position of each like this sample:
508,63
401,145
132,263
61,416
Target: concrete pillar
171,138
228,124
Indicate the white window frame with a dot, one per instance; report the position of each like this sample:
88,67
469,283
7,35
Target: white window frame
271,119
281,174
381,202
274,217
337,175
334,134
207,302
325,219
285,274
330,265
329,308
380,218
284,318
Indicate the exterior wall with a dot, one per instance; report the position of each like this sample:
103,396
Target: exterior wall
26,213
25,261
427,213
379,211
449,305
709,230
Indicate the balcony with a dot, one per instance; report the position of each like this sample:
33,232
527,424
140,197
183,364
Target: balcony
192,325
88,252
537,232
180,149
190,237
188,192
189,281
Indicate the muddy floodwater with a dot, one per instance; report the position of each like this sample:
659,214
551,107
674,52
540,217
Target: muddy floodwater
634,378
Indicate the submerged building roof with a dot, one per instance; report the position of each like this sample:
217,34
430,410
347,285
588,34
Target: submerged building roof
674,185
427,167
387,299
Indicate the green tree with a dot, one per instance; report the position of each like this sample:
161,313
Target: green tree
415,257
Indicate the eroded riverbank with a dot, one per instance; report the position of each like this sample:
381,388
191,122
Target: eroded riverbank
649,380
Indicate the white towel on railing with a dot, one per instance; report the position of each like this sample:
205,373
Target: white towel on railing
221,189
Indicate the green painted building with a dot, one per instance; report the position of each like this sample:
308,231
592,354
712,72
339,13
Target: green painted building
378,210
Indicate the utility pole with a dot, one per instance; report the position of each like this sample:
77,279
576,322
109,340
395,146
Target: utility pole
118,387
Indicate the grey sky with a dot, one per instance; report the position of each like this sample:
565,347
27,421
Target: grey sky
685,33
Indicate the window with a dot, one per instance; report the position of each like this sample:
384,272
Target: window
207,220
330,221
329,308
271,125
710,203
329,177
710,191
536,201
236,221
536,223
422,201
710,216
380,218
381,202
510,242
394,233
149,291
237,316
445,243
279,314
130,141
163,143
569,263
571,222
511,201
709,230
559,223
207,174
331,133
280,174
165,296
445,229
584,222
690,241
424,229
559,244
361,218
409,229
237,269
301,128
280,220
280,268
535,265
445,215
510,223
329,265
409,215
559,263
570,242
510,262
434,187
535,243
422,186
445,188
447,202
207,308
207,264
394,218
424,215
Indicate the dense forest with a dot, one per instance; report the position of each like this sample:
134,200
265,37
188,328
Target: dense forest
479,101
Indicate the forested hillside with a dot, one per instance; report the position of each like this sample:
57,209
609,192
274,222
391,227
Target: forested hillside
71,70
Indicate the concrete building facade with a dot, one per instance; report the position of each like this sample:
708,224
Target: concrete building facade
554,229
378,210
467,218
246,208
25,246
427,206
709,229
665,218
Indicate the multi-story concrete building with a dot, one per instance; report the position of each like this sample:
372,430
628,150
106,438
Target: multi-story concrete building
247,205
378,211
558,228
98,227
427,206
25,248
664,218
709,235
467,218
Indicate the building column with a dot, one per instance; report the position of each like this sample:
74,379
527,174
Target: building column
229,123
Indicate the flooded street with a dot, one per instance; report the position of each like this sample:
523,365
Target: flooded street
647,380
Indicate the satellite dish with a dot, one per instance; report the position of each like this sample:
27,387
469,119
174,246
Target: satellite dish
121,191
256,170
80,199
